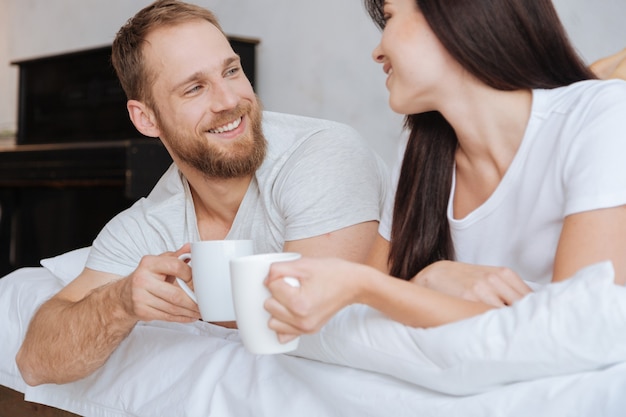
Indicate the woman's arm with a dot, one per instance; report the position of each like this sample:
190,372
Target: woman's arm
328,285
496,286
590,237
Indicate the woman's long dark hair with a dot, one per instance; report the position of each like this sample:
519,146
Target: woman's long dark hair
508,45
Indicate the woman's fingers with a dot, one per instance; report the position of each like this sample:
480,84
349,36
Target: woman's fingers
278,310
325,288
499,288
283,322
293,311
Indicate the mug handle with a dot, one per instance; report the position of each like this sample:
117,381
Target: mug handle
294,282
182,284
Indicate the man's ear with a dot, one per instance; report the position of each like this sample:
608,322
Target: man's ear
143,118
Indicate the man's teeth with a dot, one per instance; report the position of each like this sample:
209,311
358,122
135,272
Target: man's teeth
227,128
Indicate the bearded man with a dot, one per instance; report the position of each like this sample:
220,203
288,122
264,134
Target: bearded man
287,182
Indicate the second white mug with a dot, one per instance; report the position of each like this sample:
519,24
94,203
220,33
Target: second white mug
248,274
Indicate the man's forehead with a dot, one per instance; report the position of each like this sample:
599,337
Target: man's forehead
186,36
186,44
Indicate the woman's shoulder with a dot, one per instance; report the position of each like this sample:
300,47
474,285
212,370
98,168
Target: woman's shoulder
587,90
582,97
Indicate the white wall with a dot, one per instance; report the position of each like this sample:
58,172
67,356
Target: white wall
596,27
313,59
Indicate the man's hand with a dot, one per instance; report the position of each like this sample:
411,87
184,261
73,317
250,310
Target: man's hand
149,294
75,332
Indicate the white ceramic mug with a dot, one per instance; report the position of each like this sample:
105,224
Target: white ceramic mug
249,295
210,269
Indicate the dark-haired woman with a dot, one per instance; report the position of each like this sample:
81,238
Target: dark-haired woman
513,172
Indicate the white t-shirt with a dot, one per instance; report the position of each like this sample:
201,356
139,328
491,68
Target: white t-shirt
571,160
318,176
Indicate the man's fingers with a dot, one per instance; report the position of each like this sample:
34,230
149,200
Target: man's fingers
158,309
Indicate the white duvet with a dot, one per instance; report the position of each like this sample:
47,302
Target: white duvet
558,352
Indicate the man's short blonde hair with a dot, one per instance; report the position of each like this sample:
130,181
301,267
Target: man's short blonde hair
127,54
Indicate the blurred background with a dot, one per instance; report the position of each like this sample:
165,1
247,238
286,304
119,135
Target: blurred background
314,57
310,57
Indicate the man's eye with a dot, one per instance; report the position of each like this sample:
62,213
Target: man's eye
233,71
193,89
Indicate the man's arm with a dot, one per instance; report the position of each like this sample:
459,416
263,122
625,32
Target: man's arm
352,243
75,332
378,256
612,66
70,336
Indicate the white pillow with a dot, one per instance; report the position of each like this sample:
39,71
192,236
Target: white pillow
67,266
572,326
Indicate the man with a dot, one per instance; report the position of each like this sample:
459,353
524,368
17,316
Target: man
611,66
311,188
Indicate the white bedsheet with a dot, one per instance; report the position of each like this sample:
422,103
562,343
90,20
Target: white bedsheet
165,369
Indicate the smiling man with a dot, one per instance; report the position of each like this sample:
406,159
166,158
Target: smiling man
286,182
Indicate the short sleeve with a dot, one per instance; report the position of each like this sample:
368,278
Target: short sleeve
384,229
331,181
594,168
162,222
117,248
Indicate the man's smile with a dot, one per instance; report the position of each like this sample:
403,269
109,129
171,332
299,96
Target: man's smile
227,127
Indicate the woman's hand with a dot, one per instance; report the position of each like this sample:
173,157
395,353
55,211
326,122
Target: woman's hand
496,286
326,286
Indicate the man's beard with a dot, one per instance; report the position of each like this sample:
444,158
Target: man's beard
239,159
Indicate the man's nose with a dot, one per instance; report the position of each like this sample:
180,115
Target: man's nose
223,98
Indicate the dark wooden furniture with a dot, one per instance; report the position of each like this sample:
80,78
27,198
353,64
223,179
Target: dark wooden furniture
77,160
57,197
12,404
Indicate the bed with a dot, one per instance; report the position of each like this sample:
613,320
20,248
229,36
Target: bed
561,351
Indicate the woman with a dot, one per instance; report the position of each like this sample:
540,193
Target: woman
513,169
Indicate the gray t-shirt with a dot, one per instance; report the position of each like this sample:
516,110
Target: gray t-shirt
318,176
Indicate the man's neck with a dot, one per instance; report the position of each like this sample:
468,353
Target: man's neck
216,202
